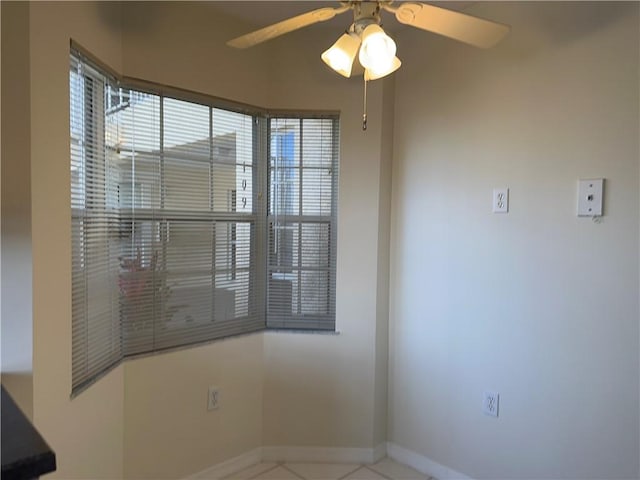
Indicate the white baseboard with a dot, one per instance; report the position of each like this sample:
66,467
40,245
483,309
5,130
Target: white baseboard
379,452
323,454
230,466
423,464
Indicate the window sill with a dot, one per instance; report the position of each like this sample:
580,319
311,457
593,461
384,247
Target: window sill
300,330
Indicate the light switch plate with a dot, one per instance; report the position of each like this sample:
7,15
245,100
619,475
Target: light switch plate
590,197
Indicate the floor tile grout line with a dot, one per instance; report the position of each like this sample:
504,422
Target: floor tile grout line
347,474
284,465
379,473
297,475
258,474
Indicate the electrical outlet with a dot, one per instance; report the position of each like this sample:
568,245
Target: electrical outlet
213,401
490,403
501,200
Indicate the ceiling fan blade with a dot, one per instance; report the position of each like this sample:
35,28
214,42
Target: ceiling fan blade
286,26
459,26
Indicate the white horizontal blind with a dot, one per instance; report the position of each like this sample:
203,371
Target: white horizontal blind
190,247
167,229
96,335
301,269
141,287
190,222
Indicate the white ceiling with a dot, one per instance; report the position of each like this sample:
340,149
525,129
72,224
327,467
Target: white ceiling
261,13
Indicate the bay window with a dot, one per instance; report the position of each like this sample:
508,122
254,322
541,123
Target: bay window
193,220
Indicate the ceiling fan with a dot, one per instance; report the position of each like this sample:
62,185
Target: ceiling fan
377,51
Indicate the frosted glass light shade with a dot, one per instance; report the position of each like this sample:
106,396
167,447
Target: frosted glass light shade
371,74
378,49
340,55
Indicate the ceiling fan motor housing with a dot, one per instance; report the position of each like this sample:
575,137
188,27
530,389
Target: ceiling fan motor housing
365,13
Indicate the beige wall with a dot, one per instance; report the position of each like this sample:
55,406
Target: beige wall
384,238
538,304
168,431
17,331
320,390
86,432
183,44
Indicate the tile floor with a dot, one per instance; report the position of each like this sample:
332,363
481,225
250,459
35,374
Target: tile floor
385,469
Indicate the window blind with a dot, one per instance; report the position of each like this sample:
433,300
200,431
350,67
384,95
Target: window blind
96,335
189,266
303,167
192,222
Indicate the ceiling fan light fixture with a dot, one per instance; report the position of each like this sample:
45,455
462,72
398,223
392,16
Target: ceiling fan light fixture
371,74
340,55
378,49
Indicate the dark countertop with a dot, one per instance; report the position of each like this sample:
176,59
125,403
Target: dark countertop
25,454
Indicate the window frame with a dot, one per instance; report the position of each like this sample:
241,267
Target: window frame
300,320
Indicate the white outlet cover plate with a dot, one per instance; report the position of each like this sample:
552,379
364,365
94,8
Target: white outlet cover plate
213,399
501,200
590,197
490,403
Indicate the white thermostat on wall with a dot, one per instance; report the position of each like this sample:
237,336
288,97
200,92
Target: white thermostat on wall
590,197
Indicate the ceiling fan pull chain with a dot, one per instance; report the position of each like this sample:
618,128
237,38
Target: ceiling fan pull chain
364,108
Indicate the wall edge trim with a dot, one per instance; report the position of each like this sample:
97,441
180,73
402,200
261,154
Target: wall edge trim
423,464
324,454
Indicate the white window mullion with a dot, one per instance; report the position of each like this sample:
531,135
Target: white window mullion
300,196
